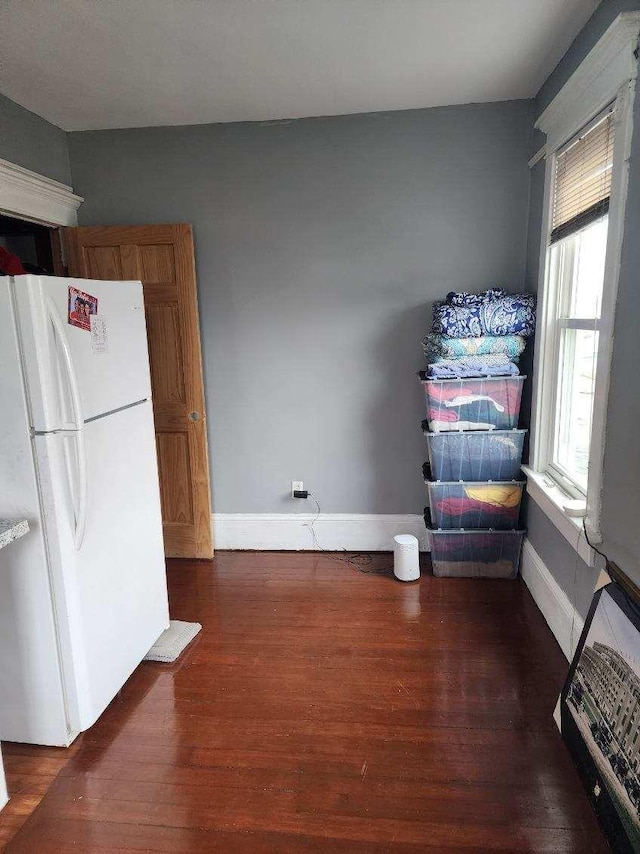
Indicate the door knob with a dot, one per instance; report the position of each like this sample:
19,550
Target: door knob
194,416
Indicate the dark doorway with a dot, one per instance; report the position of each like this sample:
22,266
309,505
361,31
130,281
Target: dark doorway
37,246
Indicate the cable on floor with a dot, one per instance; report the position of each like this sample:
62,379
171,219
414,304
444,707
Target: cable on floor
358,560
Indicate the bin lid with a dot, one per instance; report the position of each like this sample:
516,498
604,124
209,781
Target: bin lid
484,377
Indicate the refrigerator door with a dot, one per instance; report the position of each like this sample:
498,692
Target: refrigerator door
109,579
33,705
74,373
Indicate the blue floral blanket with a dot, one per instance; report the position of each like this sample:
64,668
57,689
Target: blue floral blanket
491,313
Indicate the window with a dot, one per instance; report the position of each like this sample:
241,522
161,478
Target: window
577,253
588,128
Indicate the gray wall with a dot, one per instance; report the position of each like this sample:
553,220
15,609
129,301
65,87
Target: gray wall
622,450
320,245
32,142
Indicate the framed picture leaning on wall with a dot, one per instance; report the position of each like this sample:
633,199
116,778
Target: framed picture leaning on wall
600,713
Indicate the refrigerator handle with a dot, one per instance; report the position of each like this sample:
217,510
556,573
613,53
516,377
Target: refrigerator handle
68,362
77,426
76,473
81,516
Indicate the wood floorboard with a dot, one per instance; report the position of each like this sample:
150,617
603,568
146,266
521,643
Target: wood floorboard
321,709
30,771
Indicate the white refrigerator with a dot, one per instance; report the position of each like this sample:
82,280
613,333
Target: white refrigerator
83,596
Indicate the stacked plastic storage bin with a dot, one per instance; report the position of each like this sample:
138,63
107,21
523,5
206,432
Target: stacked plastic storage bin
475,452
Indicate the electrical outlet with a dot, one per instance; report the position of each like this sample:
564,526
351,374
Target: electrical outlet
296,486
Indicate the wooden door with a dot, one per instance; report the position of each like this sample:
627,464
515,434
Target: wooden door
162,258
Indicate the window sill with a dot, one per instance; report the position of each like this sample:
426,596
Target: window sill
550,499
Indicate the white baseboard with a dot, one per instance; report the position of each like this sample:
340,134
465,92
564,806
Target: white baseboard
564,621
4,796
334,531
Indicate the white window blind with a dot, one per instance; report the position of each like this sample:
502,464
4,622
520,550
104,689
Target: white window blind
583,177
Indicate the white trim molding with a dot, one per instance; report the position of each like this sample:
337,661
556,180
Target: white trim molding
617,209
551,500
4,795
540,154
595,83
334,531
28,195
608,73
563,619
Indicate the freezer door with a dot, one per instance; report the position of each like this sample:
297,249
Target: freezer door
109,579
74,374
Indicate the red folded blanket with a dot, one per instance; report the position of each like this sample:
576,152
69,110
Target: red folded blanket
458,506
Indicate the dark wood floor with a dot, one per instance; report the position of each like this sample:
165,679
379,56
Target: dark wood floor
30,771
326,710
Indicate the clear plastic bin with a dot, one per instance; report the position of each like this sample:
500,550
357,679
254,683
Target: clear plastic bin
492,455
475,554
487,403
475,505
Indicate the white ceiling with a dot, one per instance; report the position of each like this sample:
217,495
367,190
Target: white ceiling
130,63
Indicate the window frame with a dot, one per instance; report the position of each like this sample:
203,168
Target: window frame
560,323
551,491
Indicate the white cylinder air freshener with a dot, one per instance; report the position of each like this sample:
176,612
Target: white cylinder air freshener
406,557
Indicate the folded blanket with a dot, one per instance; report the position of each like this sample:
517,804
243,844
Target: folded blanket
466,300
439,347
454,506
498,495
506,315
494,365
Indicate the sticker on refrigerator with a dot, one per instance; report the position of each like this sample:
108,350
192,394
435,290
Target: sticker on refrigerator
81,307
99,341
